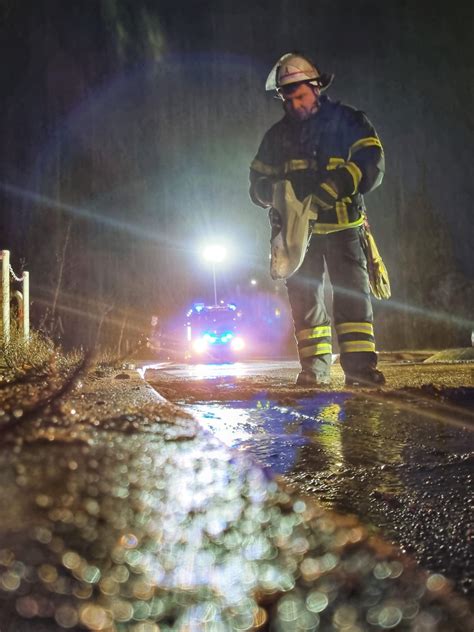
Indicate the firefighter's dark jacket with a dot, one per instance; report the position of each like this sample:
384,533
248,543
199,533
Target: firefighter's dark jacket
335,156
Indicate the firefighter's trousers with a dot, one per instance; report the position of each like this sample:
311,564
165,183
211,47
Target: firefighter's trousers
352,309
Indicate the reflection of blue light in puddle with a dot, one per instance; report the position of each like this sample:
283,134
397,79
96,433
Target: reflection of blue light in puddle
206,371
272,432
227,424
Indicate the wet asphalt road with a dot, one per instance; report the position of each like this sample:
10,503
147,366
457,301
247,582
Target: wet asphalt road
405,468
119,514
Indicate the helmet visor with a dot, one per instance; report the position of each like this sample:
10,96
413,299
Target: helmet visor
271,83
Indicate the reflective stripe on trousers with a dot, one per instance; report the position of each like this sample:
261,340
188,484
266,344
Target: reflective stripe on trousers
352,310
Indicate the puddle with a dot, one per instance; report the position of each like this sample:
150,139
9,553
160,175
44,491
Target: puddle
406,469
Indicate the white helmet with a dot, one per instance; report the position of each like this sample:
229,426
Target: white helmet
294,68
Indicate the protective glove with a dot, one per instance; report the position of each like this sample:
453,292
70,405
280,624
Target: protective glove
304,182
322,190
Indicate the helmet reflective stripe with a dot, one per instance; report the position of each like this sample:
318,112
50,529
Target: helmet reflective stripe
294,70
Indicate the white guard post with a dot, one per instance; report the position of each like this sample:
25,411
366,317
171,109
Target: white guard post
5,255
26,306
24,299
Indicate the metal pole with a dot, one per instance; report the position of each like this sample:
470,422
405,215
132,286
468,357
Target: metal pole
26,306
214,278
5,254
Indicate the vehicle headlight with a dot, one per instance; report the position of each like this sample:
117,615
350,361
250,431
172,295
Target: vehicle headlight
237,344
200,345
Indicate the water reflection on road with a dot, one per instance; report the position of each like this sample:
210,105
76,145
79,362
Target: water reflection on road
404,469
328,431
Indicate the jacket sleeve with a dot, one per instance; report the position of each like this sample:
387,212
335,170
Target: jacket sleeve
362,168
262,174
365,163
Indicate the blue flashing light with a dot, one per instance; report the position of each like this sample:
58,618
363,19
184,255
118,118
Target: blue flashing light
213,338
227,336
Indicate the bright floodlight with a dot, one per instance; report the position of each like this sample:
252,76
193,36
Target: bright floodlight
214,253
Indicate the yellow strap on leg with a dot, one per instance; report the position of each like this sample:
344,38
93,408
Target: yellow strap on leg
378,275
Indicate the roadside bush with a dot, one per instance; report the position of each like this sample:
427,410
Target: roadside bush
37,356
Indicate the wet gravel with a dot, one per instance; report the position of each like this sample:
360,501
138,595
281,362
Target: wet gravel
119,513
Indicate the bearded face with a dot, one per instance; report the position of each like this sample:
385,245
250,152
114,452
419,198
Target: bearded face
300,102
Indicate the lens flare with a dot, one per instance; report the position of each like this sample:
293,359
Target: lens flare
200,345
237,344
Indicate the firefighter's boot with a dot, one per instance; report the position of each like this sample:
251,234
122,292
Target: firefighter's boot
309,378
366,377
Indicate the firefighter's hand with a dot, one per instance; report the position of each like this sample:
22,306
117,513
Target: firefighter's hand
263,190
323,190
304,183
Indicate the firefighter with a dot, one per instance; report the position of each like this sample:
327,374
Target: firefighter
330,152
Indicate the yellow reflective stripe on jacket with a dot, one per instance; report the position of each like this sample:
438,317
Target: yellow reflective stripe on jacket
355,328
298,165
282,169
317,201
322,348
334,163
341,212
328,188
325,229
323,331
354,346
261,167
352,168
370,141
355,172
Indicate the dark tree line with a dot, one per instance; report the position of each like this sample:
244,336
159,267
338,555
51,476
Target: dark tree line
57,164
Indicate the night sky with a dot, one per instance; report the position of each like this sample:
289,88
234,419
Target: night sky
129,127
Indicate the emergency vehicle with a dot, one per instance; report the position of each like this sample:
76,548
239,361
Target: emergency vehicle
213,333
